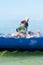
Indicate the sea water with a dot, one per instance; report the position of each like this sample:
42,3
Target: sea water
9,26
21,60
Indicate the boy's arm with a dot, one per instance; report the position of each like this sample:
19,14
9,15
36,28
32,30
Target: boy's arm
17,29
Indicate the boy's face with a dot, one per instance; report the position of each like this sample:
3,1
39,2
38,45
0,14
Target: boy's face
22,24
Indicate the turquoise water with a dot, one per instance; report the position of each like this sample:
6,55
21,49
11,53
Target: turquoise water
21,60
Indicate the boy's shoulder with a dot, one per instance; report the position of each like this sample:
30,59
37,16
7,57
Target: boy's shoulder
22,27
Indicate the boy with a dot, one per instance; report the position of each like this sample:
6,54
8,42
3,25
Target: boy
21,31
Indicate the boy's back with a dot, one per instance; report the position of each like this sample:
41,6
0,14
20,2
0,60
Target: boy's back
21,29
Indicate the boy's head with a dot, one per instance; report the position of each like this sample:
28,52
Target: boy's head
22,23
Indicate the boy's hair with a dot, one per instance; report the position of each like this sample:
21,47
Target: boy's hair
24,22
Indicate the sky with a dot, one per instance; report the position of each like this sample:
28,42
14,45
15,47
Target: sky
12,9
15,10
